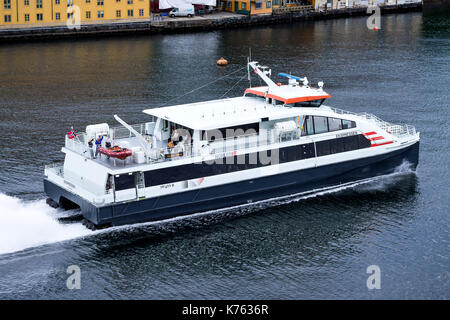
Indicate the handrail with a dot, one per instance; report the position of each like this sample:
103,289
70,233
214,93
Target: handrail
397,130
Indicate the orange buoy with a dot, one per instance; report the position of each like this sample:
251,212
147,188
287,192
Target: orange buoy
222,62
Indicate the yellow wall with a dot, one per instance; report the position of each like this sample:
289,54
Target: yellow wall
263,8
236,6
51,8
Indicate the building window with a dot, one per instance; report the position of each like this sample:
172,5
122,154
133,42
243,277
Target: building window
117,0
88,1
39,17
7,18
57,1
99,2
100,14
229,4
244,6
70,16
118,13
7,4
130,13
27,17
26,2
39,4
88,14
130,1
58,16
141,12
258,5
268,4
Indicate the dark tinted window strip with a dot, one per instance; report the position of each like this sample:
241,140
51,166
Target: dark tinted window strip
227,165
343,144
253,160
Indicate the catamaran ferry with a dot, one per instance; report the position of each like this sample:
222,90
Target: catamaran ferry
275,140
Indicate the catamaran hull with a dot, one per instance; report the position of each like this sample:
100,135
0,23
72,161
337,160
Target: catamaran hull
232,194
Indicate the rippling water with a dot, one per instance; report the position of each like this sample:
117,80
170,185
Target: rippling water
305,246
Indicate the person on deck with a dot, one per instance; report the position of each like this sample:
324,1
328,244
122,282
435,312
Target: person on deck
98,144
91,144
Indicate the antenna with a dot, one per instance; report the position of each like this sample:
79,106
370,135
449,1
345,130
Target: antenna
248,66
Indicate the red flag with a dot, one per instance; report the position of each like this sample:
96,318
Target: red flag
71,134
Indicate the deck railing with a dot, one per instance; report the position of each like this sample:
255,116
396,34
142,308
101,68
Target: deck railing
397,130
56,167
79,145
122,132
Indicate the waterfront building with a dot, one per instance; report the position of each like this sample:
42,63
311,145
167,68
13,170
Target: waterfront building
32,12
250,7
255,7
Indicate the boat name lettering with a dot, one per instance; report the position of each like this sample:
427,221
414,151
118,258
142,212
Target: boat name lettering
169,185
69,184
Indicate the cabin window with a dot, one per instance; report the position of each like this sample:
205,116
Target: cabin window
308,127
231,132
363,142
124,181
351,143
347,124
334,124
324,124
343,144
323,148
311,104
165,125
337,145
109,183
320,125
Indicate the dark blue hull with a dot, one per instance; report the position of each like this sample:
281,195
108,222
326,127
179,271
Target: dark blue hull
233,194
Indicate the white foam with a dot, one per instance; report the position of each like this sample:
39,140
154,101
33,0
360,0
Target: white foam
29,224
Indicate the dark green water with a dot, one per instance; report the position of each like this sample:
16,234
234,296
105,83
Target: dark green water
316,247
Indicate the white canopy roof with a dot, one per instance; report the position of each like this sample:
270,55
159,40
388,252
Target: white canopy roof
223,113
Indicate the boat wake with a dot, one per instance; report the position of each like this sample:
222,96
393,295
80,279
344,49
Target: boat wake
30,224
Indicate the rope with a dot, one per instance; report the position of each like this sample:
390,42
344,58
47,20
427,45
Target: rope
244,76
205,85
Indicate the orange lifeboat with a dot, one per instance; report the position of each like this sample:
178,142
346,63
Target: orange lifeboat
115,152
